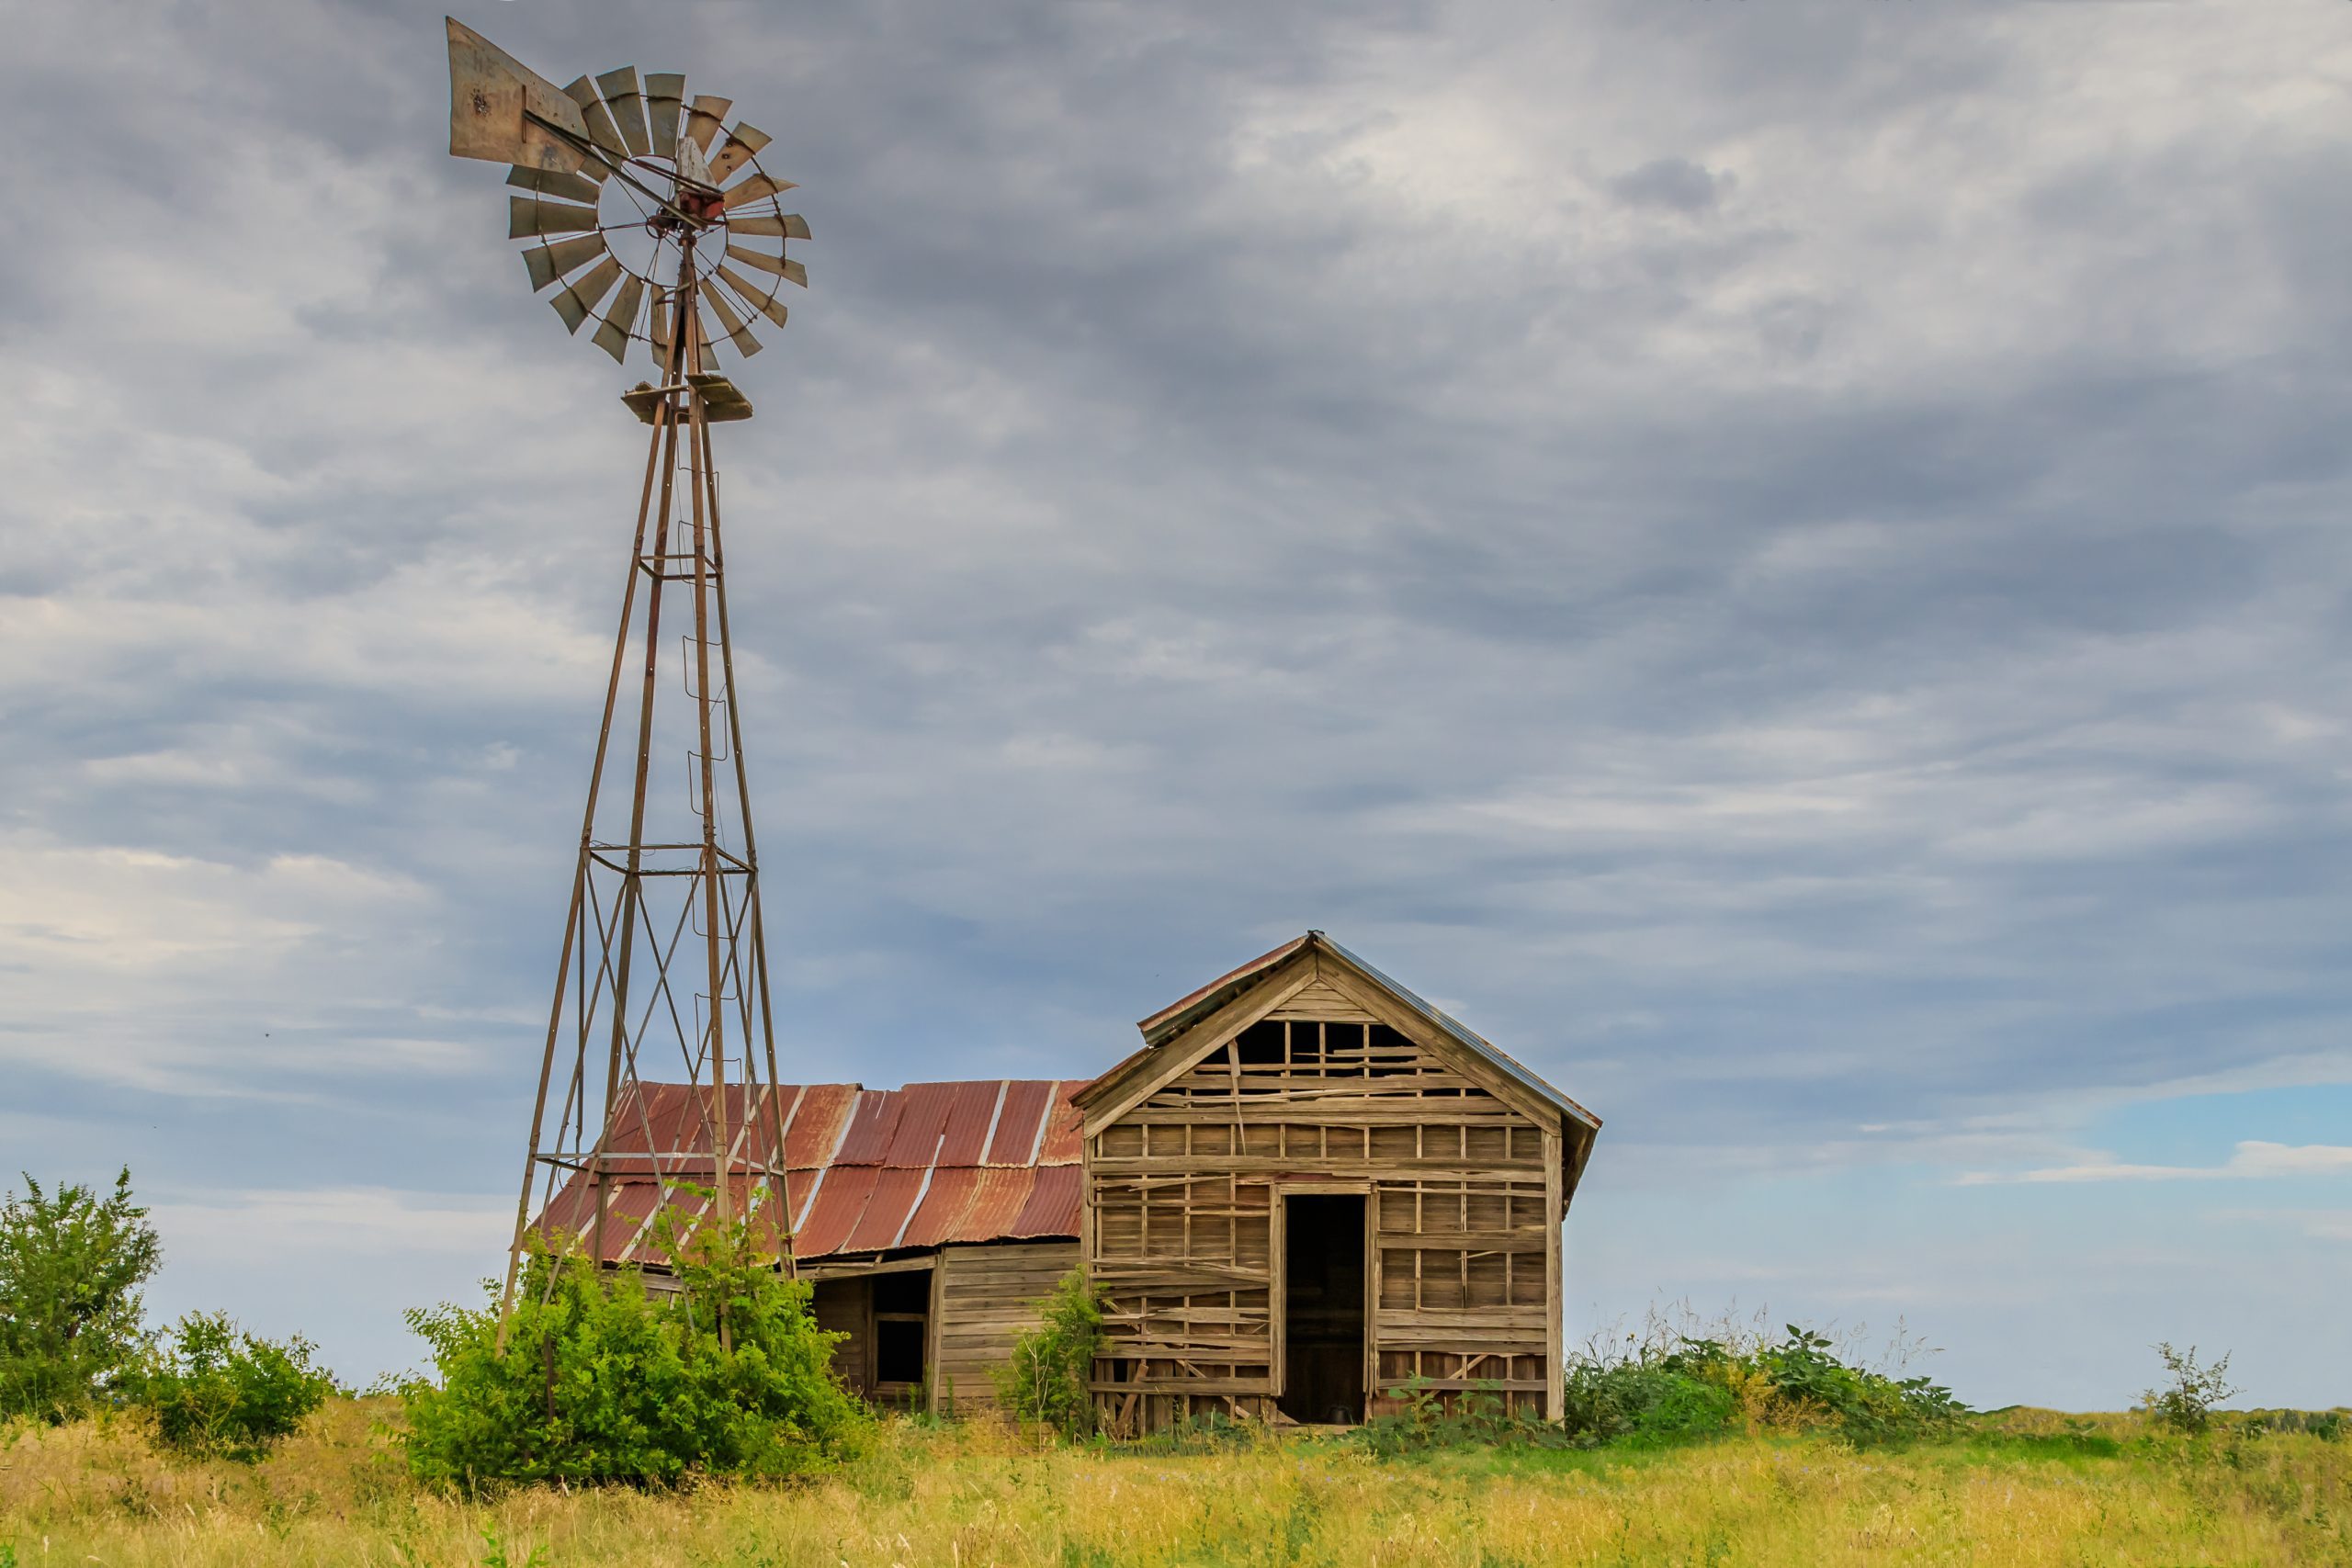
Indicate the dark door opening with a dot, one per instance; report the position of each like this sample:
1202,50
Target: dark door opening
1323,1307
901,1327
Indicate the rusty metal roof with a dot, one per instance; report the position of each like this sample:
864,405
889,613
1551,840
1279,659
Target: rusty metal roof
866,1170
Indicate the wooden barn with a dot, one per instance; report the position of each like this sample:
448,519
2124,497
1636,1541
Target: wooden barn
1307,1187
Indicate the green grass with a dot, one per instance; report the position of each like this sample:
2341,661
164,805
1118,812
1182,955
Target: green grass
2022,1488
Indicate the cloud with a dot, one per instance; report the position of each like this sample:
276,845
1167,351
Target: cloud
1676,183
270,1225
2254,1160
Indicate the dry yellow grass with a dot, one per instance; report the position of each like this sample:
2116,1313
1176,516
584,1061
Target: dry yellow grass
976,1495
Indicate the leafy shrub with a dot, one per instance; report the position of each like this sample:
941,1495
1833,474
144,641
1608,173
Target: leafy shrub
1649,1399
1045,1378
1676,1387
603,1379
1806,1374
1429,1417
2188,1405
218,1390
70,1266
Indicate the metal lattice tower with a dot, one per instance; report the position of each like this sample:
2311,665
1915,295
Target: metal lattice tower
639,215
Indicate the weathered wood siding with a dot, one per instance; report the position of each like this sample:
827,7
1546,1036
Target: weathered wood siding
845,1306
987,1296
1183,1216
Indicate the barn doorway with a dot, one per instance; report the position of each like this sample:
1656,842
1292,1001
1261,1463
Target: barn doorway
1323,1307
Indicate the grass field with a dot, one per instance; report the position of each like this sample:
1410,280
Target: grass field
2024,1488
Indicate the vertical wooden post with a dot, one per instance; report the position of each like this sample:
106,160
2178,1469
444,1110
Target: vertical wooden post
1370,1297
1277,1304
935,1330
1554,1302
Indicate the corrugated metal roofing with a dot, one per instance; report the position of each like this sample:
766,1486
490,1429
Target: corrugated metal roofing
867,1170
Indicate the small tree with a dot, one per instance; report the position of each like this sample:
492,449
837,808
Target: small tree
2188,1405
1046,1377
71,1268
218,1390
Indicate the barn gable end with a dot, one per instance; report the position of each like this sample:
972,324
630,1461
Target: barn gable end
1310,1187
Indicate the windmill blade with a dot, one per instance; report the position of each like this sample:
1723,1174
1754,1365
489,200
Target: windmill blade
599,121
627,104
548,263
706,119
741,143
737,333
527,215
620,321
575,302
753,189
659,325
783,267
581,186
767,305
665,100
492,99
777,225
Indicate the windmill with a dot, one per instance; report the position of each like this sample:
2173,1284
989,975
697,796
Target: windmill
643,211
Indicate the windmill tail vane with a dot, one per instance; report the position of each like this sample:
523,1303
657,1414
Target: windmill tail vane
658,1108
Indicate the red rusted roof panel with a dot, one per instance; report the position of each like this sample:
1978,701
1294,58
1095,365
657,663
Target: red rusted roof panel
1052,1208
997,1196
941,1215
1016,1142
896,1189
817,1123
1064,1128
569,1211
840,1201
971,1109
922,1126
627,1205
871,1126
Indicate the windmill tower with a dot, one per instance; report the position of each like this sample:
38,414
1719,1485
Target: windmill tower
645,213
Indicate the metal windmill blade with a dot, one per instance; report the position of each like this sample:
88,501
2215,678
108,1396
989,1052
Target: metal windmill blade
626,192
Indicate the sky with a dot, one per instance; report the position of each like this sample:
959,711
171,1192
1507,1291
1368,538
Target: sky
1783,561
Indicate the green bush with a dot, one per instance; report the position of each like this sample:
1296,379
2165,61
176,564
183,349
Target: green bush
218,1390
1045,1378
70,1266
1678,1388
1650,1399
603,1379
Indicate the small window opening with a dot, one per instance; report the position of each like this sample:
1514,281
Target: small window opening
1261,1044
